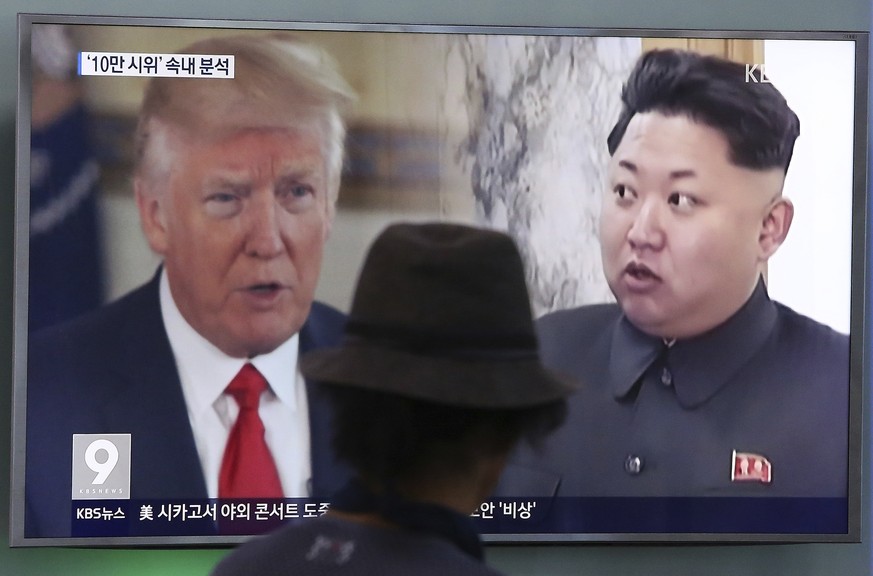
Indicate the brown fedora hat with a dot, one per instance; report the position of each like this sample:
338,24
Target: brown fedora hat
441,313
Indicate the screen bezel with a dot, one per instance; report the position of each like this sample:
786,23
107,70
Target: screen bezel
859,281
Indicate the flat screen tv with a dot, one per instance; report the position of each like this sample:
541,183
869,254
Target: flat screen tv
500,127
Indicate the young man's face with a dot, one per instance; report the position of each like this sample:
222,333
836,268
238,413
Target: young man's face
684,232
241,225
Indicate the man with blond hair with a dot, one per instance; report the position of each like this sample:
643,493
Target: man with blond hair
236,182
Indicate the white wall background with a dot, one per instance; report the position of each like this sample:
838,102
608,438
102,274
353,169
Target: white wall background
811,272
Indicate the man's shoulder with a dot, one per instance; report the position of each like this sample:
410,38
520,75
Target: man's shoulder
306,548
97,348
800,332
139,306
322,313
324,325
808,362
573,340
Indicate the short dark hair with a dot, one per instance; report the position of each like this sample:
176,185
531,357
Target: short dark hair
391,439
753,116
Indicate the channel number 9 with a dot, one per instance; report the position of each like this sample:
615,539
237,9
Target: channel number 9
101,456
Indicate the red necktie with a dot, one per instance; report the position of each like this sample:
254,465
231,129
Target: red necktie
248,469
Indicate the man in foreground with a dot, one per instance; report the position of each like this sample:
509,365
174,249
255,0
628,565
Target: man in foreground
432,388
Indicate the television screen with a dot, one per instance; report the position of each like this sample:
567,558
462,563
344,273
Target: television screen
644,179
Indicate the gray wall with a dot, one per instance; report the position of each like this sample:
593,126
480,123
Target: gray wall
796,560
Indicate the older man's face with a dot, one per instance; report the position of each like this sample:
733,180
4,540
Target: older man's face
684,231
241,226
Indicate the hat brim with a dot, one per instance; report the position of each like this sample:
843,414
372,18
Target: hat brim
466,382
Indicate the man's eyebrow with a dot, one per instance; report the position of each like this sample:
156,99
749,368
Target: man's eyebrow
687,173
674,175
227,181
628,165
302,169
296,174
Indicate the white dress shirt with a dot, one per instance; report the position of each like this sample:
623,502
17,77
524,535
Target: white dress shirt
205,371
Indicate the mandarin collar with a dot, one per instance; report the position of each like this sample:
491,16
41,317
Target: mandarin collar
701,365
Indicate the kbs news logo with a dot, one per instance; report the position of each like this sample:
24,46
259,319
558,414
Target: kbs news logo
755,74
101,466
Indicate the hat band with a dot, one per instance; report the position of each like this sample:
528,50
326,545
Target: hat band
460,345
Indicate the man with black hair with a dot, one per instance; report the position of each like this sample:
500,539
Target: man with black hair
697,383
432,388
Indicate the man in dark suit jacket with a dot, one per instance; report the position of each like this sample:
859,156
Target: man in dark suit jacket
696,383
113,372
236,182
677,420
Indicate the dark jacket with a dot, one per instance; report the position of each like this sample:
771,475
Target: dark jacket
112,371
768,382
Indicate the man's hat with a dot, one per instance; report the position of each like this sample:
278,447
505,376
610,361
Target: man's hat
441,313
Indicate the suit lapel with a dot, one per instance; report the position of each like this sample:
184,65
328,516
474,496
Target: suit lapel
150,404
328,474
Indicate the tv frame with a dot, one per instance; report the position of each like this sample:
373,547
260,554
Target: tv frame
860,281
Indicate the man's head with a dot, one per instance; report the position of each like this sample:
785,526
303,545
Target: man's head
439,372
694,205
413,446
236,183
